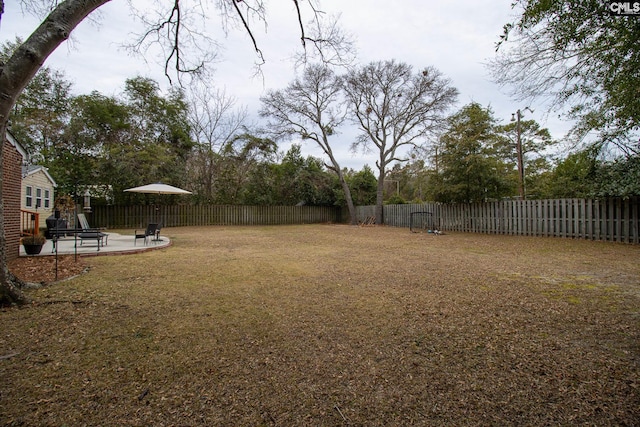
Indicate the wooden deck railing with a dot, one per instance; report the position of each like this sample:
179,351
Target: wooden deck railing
29,223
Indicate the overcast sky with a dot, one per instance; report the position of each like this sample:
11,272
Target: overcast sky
457,38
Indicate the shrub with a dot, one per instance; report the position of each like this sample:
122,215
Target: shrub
36,239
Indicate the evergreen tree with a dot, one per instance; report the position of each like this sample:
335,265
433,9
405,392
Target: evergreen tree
471,168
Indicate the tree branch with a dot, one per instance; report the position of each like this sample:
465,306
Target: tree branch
246,27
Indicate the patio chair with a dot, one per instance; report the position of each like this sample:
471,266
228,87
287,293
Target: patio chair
157,234
56,230
150,231
89,233
56,227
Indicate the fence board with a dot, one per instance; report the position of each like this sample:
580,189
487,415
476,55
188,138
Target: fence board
189,215
608,219
614,220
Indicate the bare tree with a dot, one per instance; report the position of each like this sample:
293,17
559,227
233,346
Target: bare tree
213,116
214,121
579,58
171,31
310,108
396,109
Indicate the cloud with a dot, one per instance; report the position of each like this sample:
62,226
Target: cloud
456,38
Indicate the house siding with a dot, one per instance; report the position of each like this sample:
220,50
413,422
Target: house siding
38,180
11,188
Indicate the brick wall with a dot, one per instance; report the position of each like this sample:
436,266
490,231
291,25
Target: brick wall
11,186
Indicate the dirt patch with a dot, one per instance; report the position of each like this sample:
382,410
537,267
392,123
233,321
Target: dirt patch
332,325
46,269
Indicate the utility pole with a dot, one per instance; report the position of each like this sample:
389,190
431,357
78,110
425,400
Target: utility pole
520,158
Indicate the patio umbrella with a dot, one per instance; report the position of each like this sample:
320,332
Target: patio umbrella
158,188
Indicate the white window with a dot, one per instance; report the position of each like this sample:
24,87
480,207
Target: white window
47,199
38,197
28,201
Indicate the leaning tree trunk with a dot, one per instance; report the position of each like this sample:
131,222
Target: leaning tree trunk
15,74
353,220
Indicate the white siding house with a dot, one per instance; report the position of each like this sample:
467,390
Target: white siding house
38,192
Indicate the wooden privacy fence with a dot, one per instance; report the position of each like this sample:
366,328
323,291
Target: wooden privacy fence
186,215
615,220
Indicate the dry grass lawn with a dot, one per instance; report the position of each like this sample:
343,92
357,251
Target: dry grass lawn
328,325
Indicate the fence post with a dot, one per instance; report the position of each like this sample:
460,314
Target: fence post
607,219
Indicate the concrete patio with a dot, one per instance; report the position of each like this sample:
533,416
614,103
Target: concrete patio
115,244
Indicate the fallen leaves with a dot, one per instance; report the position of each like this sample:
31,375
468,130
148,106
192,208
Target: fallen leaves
332,325
46,269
